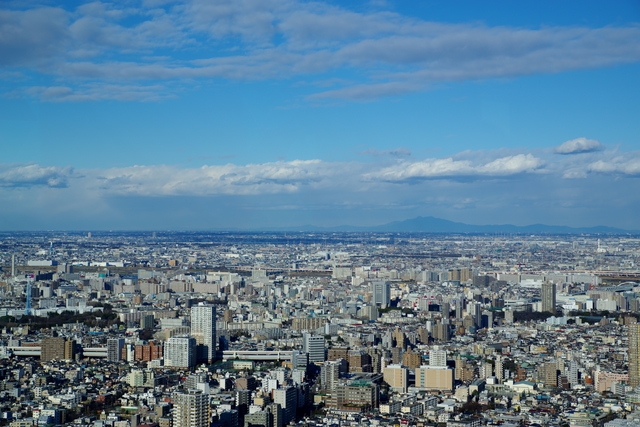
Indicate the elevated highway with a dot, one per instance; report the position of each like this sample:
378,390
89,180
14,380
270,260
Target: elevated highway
256,355
35,351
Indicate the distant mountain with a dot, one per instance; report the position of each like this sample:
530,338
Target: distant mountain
431,224
438,225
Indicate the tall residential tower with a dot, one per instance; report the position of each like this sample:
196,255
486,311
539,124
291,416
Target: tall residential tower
634,354
191,409
203,329
548,296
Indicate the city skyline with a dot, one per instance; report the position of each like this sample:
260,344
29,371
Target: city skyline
249,115
105,329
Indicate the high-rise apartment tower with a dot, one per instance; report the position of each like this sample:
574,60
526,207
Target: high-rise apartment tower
203,329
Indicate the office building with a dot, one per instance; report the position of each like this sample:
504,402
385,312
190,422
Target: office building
329,376
459,302
359,361
434,378
499,369
69,349
56,348
396,355
438,358
243,401
147,322
203,329
193,380
361,394
287,398
397,376
276,414
246,383
227,418
550,374
380,293
548,297
52,348
573,373
314,346
369,312
258,419
487,319
441,332
474,309
191,409
336,353
180,352
445,309
376,360
307,323
136,378
299,360
400,338
114,349
411,360
148,352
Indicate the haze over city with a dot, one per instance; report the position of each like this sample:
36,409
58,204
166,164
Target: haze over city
267,114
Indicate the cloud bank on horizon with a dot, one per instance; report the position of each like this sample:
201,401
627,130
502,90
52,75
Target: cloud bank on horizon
481,181
336,64
293,176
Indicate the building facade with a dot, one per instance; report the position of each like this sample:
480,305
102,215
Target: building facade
314,346
397,376
380,293
203,329
434,378
57,348
114,349
548,297
634,354
191,409
180,352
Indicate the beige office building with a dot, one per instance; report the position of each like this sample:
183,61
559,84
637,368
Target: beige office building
397,376
434,378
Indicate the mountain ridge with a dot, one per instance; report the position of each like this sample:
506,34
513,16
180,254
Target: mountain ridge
430,224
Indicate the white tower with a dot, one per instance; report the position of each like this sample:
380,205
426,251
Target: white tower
203,329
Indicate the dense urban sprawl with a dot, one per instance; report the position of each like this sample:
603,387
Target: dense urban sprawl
365,329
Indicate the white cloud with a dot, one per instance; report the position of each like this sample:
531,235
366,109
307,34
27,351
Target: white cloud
511,165
251,179
618,166
575,173
345,192
34,175
450,168
265,39
579,145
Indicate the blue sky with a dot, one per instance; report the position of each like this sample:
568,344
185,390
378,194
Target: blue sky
213,114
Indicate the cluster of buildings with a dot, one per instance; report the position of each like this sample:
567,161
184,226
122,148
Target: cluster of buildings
176,330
